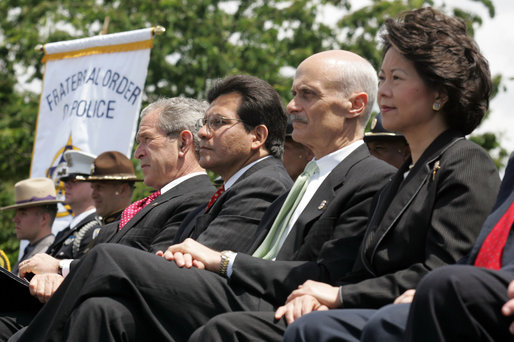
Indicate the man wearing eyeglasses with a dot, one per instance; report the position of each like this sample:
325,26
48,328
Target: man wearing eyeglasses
241,139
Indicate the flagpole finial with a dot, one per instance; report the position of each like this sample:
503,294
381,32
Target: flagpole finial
158,30
39,48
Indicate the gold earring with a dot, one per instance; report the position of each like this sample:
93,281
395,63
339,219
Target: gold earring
436,106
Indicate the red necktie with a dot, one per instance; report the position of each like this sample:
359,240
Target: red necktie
214,197
489,255
135,207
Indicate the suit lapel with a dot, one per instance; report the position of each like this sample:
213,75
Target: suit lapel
321,200
199,218
399,194
394,204
202,221
179,190
142,213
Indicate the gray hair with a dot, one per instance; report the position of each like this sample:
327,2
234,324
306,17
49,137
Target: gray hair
178,114
356,77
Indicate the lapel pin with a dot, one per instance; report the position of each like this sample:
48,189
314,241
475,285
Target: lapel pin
322,204
436,168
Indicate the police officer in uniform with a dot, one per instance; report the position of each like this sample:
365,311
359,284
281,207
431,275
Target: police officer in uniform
71,242
112,180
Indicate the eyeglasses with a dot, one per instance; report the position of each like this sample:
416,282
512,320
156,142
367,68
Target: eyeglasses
214,122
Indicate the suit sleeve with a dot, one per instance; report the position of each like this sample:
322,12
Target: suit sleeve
466,187
347,220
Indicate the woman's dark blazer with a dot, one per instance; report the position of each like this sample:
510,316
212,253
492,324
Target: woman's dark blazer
429,219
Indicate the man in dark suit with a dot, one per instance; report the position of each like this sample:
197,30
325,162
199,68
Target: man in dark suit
168,302
242,140
167,150
167,126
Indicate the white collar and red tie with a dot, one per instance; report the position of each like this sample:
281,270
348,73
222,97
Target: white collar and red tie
135,207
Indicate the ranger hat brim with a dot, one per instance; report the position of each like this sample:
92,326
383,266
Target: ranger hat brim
33,192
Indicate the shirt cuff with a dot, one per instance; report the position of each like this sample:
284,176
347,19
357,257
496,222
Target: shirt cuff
231,260
65,266
340,296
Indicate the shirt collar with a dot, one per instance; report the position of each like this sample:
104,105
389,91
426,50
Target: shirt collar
241,171
76,219
31,246
327,163
179,180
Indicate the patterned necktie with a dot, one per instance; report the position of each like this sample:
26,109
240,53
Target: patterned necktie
135,207
271,244
490,253
214,197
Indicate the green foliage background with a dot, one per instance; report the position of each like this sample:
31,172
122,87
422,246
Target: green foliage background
204,40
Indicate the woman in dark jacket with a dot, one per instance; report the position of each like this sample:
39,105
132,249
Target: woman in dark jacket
434,88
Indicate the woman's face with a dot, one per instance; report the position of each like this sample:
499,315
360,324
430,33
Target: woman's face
404,100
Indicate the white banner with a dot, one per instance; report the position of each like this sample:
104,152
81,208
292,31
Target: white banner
91,97
90,101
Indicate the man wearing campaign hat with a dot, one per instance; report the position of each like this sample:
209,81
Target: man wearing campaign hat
36,207
112,180
389,146
110,186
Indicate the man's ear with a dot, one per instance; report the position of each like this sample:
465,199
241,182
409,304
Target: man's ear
184,142
44,219
123,188
358,104
260,134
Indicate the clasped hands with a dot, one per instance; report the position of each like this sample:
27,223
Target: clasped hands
191,253
310,296
317,296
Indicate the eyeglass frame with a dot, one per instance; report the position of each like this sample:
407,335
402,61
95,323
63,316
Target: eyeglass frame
209,122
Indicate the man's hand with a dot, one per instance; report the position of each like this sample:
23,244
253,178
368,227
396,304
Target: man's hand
508,307
193,254
326,294
310,296
39,263
405,297
43,286
298,307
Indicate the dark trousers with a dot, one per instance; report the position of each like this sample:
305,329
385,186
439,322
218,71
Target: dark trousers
120,293
460,303
11,322
351,325
241,326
